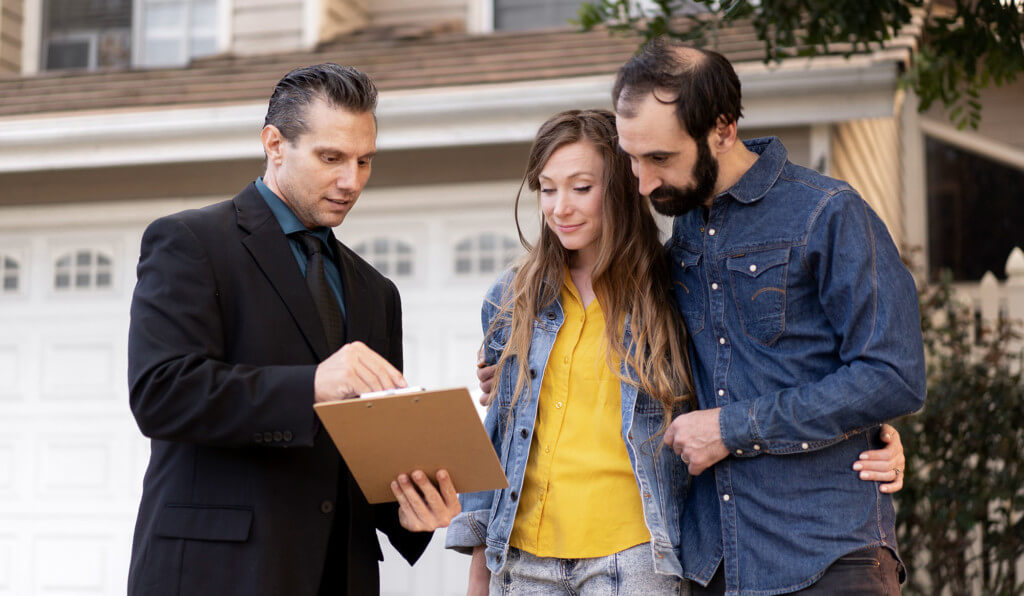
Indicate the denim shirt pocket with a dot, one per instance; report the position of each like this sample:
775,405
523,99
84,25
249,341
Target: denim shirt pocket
759,290
688,285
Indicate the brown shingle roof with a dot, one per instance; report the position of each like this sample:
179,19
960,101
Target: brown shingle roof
442,60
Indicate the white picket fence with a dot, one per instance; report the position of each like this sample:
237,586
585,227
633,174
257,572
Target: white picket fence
991,298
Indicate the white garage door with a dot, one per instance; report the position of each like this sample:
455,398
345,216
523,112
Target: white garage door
71,457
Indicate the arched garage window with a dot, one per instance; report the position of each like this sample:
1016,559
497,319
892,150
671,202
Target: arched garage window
393,258
486,253
82,270
10,274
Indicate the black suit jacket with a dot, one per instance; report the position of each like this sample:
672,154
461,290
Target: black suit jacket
241,488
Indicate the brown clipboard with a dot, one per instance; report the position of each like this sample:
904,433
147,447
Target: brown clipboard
384,436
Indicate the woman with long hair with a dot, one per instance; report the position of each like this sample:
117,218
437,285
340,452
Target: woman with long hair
591,365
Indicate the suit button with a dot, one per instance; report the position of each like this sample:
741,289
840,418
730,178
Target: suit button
326,507
524,433
258,437
287,435
278,435
268,436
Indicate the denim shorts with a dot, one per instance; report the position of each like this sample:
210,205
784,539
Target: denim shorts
624,573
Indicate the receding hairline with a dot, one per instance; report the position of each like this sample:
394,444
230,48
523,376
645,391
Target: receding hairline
686,60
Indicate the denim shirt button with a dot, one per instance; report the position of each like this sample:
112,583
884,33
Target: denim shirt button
721,340
739,452
753,268
725,497
714,286
804,446
711,232
721,392
757,447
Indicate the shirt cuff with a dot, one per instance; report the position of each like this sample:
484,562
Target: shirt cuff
736,424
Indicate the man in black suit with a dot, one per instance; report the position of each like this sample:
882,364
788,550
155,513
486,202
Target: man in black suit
246,313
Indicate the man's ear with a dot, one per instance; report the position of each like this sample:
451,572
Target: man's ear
273,144
723,136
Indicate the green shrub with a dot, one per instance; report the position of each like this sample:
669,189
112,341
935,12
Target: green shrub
960,516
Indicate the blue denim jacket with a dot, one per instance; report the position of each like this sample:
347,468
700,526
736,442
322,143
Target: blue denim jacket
806,332
487,517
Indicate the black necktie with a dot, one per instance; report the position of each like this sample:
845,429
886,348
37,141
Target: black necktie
323,296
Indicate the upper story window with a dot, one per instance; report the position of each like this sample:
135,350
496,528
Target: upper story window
484,254
90,34
10,274
393,258
82,270
517,15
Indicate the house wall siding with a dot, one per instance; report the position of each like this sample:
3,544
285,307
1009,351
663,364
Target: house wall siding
1000,113
266,26
11,17
417,12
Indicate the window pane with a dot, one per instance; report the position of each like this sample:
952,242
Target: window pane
10,263
204,15
380,246
160,52
62,280
486,264
164,16
62,54
10,283
83,258
202,46
64,261
487,242
82,280
405,268
103,279
102,260
462,265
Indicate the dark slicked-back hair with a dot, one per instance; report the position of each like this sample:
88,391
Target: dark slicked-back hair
701,83
339,86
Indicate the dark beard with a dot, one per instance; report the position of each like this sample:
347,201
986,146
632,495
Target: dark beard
674,201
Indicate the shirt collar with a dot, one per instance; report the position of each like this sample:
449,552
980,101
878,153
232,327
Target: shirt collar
286,217
758,180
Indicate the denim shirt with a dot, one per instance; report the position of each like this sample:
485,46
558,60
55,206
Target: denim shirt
805,332
487,517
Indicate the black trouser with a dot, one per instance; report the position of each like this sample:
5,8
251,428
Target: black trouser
866,572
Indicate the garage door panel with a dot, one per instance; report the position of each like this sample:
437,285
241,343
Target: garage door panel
11,379
73,562
8,548
76,369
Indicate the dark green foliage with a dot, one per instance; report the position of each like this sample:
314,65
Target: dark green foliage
964,47
959,516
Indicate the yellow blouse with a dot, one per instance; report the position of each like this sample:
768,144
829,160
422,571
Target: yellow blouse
579,497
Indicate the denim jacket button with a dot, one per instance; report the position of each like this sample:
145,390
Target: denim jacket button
714,286
514,495
739,452
533,373
725,497
804,446
551,316
757,447
524,433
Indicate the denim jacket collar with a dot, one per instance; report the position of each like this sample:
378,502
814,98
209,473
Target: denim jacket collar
759,179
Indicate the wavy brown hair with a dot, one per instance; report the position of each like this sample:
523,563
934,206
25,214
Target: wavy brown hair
630,276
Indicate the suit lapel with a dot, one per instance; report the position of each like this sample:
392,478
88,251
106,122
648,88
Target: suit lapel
269,248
